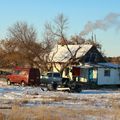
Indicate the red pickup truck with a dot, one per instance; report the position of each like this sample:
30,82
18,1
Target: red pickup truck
24,76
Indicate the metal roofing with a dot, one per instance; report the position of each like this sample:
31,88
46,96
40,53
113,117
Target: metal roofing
110,65
62,54
100,65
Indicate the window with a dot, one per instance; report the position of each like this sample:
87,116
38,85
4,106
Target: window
23,73
107,73
66,71
16,72
49,74
56,74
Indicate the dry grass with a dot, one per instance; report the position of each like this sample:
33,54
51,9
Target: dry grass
102,114
1,116
40,113
110,112
59,113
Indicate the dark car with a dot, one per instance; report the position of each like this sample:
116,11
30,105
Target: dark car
24,76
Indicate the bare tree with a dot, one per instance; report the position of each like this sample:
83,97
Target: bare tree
22,45
9,53
76,40
57,31
28,45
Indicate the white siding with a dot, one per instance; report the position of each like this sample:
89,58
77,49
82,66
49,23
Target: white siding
108,80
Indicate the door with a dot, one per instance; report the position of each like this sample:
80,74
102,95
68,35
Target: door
90,74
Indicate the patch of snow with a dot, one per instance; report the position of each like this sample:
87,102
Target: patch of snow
63,54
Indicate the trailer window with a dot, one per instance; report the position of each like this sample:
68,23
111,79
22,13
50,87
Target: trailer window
107,73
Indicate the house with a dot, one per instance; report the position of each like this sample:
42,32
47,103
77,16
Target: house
85,53
99,74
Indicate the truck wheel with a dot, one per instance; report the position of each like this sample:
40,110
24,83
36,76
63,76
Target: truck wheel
78,89
49,87
23,83
8,82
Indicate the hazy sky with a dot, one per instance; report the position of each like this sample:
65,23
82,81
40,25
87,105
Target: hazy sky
79,12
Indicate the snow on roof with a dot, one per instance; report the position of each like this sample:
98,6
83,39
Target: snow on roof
111,65
99,65
62,54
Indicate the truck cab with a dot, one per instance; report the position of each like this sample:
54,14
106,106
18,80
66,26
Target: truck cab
51,77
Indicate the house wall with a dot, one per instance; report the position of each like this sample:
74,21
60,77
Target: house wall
113,79
69,75
85,75
58,67
64,75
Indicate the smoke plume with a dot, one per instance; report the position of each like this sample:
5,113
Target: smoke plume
112,19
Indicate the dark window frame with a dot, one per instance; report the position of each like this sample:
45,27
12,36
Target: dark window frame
49,74
107,72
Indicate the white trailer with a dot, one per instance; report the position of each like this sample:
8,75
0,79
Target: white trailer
108,74
100,74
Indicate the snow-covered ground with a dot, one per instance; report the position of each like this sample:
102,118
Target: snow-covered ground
35,96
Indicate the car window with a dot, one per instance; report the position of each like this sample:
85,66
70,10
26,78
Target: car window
0,72
16,72
22,73
56,75
49,74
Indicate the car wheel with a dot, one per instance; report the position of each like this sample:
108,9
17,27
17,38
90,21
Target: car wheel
8,82
23,83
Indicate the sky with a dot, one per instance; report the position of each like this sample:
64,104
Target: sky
78,12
